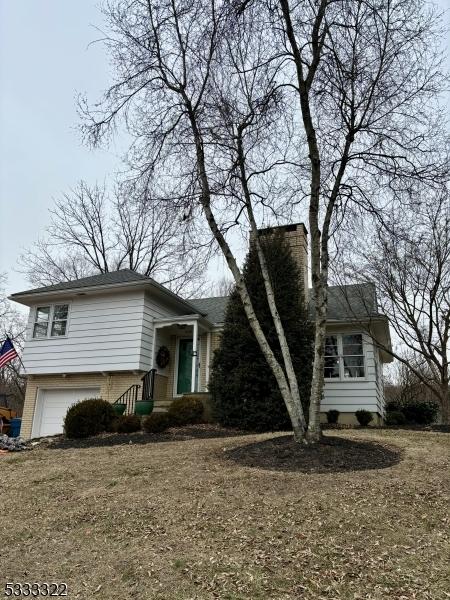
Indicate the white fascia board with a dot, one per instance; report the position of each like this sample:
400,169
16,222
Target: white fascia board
182,320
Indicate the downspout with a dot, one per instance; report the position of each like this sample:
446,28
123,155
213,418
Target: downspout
194,357
208,359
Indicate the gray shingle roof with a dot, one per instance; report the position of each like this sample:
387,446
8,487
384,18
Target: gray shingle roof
122,276
113,278
344,303
214,308
354,301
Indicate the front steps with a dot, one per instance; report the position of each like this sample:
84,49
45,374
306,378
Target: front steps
161,405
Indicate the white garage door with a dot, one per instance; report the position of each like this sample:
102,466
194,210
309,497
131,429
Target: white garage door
52,405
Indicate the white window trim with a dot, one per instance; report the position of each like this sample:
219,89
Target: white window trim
341,355
50,321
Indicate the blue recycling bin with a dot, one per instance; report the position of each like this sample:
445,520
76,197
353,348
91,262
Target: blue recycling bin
14,429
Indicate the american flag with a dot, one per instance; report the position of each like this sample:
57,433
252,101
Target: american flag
7,352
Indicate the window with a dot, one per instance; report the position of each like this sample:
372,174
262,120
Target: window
331,357
41,322
59,321
344,356
352,354
50,320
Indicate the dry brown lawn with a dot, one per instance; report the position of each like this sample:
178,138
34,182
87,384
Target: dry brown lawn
181,520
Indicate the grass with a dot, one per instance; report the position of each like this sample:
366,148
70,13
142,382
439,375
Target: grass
183,520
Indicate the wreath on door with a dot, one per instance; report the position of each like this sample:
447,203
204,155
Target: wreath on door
163,357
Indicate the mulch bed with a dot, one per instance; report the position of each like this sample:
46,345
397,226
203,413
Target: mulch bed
332,455
190,432
436,428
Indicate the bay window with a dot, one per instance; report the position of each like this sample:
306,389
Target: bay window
50,321
344,356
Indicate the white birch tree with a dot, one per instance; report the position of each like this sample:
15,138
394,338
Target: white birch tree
364,73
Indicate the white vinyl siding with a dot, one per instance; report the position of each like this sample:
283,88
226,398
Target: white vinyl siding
112,332
379,381
351,394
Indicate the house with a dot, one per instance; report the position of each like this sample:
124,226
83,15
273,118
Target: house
101,336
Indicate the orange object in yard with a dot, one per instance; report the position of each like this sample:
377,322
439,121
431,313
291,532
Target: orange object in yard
6,414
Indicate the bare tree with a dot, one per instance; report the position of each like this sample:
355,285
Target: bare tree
174,67
410,263
364,71
223,287
91,232
207,90
13,325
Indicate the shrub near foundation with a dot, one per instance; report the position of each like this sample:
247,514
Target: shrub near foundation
333,416
364,417
88,417
156,423
186,411
127,424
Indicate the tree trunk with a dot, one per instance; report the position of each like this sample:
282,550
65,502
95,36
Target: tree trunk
284,346
445,402
293,407
319,278
320,304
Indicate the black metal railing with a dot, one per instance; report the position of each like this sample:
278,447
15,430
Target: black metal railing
129,398
148,385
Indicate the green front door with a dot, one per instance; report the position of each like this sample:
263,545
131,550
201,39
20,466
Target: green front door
184,376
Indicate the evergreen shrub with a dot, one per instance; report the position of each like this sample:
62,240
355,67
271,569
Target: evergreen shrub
244,390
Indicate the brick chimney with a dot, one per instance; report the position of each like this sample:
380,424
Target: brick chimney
297,236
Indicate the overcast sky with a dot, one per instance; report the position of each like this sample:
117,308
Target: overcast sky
45,60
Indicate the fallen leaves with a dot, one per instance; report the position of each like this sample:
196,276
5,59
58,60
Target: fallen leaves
184,522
